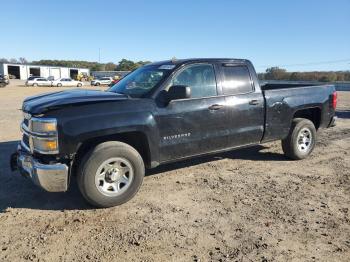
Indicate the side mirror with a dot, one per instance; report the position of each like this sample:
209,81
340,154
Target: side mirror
174,93
178,92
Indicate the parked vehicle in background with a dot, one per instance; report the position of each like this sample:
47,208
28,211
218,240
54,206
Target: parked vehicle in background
67,82
3,81
6,78
160,113
114,81
102,81
33,77
38,81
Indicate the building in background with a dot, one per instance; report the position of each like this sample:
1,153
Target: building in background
23,71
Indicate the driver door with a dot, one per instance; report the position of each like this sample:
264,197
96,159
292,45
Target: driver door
186,126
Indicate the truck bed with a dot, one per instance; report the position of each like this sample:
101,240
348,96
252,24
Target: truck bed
283,100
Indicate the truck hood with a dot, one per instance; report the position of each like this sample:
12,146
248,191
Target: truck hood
42,103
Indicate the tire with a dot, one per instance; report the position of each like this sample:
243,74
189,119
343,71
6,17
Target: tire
97,84
2,85
301,139
79,85
59,85
35,85
95,180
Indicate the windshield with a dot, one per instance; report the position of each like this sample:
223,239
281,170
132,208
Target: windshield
141,81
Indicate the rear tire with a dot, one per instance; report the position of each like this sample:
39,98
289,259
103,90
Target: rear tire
301,139
59,85
110,174
97,84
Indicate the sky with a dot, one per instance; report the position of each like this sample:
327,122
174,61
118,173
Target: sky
294,34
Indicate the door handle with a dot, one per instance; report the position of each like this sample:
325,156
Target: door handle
253,102
215,107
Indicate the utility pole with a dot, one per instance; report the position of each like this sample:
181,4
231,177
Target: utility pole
99,55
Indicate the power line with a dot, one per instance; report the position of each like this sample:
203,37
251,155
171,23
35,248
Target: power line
310,64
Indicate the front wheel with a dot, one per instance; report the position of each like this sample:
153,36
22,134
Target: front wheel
301,139
110,174
59,85
79,85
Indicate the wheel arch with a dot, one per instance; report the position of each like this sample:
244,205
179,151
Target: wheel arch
311,113
136,139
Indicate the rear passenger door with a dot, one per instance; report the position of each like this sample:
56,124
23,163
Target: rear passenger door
244,104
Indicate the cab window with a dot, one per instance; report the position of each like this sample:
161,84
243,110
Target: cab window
199,77
236,80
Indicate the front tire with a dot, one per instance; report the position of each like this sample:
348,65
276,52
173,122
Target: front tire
110,174
301,139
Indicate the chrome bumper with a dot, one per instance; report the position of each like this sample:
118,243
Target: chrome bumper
51,177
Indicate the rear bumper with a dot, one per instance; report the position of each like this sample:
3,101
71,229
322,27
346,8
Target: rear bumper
50,177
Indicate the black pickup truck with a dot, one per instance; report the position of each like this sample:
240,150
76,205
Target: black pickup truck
162,112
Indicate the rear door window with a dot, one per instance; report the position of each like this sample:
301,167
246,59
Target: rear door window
236,80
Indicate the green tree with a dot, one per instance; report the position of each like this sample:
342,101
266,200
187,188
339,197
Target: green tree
22,60
126,65
13,60
276,73
110,66
295,76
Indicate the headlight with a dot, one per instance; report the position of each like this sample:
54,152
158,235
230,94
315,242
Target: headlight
45,145
43,126
41,133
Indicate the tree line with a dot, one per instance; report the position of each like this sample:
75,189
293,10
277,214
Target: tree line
276,73
272,73
122,65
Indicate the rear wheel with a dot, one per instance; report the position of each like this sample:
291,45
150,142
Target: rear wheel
97,84
110,174
59,85
79,85
301,139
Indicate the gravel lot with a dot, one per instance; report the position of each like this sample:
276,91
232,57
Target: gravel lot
246,205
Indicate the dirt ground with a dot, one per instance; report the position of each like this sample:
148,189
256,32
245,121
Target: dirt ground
246,205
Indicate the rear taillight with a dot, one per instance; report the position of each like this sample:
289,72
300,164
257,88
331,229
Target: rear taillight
334,100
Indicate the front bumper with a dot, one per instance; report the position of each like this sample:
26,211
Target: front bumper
50,177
